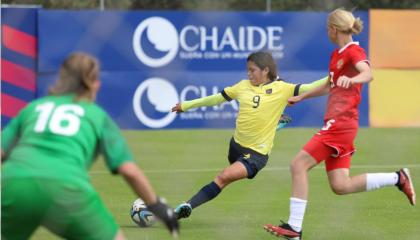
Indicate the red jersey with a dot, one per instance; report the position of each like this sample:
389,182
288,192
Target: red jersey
342,102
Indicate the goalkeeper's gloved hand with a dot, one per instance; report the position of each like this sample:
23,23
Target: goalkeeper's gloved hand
284,120
166,215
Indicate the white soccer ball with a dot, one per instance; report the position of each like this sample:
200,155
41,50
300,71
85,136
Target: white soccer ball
140,214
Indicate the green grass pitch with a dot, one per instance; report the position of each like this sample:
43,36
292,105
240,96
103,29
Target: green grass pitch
180,162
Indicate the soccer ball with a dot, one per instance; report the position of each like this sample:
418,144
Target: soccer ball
140,214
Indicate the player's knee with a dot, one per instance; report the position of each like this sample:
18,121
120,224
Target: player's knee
297,166
222,179
339,188
302,163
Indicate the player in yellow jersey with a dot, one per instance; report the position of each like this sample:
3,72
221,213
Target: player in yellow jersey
262,100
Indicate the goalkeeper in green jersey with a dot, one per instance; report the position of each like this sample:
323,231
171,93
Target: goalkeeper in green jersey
47,151
262,99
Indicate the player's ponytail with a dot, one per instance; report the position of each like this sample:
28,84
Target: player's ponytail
77,76
357,26
345,22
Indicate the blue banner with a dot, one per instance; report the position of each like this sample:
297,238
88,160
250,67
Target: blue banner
186,41
153,59
144,100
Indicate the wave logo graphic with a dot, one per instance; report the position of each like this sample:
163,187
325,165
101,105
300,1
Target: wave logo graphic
155,42
153,101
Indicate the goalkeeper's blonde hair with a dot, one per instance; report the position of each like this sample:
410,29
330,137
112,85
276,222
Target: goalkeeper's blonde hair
345,22
78,73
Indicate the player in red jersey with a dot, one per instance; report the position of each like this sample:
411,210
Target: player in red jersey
334,143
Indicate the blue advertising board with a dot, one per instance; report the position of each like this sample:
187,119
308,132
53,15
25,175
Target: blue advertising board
153,59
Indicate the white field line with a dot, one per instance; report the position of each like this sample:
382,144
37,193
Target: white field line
201,170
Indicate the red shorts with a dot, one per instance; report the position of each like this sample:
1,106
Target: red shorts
334,143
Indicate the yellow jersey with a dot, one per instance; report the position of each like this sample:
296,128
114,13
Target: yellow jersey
260,109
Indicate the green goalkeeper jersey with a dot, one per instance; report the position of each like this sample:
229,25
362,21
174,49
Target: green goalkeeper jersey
58,137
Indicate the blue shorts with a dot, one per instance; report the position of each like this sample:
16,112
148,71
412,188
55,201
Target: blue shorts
252,160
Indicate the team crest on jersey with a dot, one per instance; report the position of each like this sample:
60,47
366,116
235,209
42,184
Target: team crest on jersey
269,91
340,63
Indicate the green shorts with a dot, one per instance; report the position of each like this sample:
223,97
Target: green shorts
69,209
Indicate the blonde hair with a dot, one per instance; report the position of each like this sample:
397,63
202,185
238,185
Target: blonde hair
345,22
77,75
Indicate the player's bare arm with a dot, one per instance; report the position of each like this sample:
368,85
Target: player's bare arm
141,186
364,76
